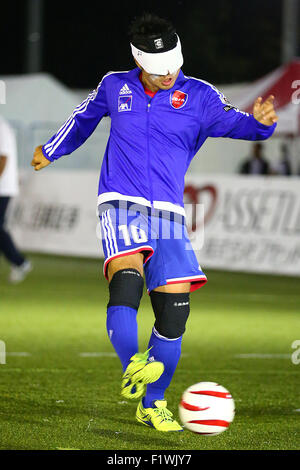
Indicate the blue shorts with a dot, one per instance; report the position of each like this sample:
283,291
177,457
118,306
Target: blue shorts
160,235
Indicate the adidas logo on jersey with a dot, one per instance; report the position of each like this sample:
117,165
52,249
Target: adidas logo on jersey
125,90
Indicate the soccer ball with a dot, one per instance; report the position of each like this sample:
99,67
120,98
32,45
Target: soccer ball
206,408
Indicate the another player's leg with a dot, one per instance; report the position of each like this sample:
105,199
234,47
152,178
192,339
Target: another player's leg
20,267
126,289
171,308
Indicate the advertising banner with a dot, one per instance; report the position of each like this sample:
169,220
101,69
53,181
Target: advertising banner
250,223
56,213
247,223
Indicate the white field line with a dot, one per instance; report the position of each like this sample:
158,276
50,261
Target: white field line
66,448
82,354
258,296
114,355
109,354
18,354
263,356
206,373
98,354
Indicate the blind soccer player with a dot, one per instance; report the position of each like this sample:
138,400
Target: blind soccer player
159,120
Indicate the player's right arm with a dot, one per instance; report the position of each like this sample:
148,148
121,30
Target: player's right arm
39,161
75,131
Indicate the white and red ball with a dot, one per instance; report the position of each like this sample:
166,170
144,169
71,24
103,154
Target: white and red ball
206,408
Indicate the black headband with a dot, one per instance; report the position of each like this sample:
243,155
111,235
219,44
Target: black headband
156,43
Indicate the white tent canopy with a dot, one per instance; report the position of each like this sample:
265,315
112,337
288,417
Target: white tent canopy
36,105
284,84
37,97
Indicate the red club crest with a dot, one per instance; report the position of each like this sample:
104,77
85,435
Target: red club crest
178,99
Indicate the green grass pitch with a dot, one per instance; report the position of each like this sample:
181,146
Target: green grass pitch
56,397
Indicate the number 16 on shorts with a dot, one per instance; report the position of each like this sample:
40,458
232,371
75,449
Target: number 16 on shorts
119,235
132,233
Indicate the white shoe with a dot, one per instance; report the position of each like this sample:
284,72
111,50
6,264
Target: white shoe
18,273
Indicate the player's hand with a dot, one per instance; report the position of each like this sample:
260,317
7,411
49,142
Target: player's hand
264,112
39,161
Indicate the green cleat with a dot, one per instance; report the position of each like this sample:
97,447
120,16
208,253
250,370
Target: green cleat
159,417
140,372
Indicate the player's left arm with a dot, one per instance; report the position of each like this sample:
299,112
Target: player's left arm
222,119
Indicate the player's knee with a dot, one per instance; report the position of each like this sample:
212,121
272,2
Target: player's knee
171,312
126,288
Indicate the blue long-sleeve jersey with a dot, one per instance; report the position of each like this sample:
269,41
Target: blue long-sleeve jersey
152,141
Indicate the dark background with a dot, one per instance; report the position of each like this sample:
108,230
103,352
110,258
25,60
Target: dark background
224,41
